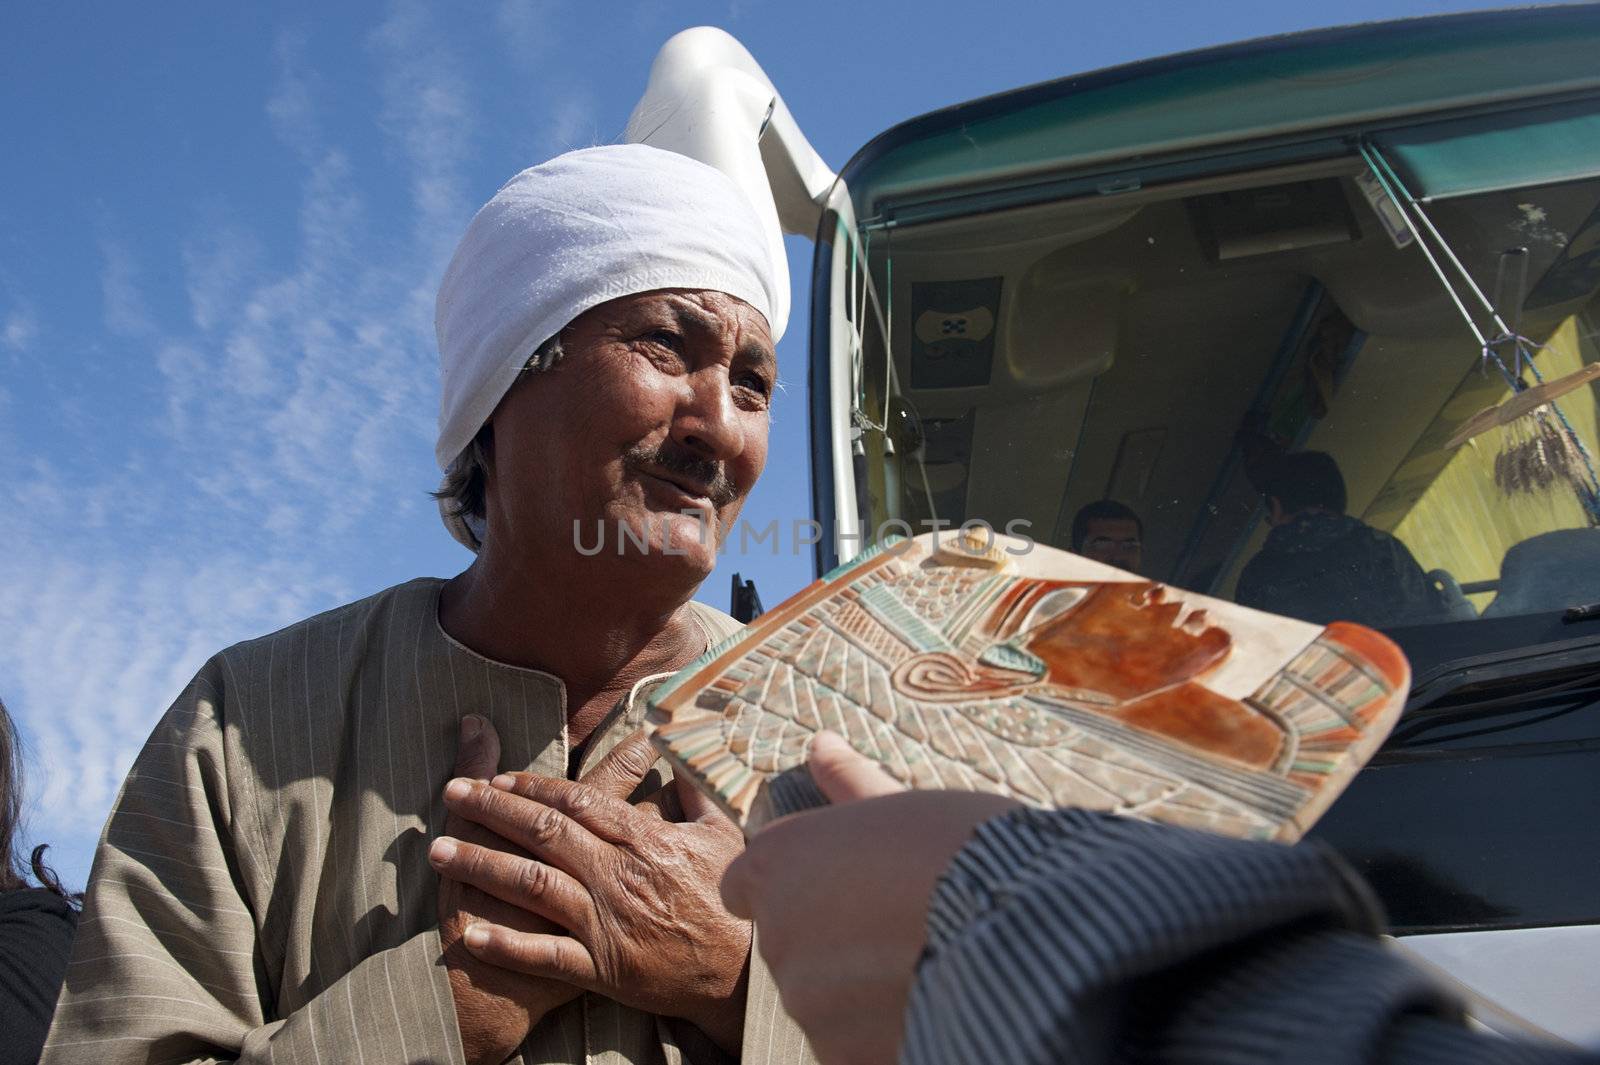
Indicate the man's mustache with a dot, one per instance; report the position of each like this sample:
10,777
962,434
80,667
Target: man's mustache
710,475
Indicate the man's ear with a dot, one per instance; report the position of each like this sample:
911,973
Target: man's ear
485,443
1275,514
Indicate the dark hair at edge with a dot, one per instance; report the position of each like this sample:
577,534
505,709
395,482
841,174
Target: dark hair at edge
1101,510
13,871
1305,479
467,479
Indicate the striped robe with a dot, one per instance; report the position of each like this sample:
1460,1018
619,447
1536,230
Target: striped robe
262,890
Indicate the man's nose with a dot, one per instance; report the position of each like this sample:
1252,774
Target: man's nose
707,421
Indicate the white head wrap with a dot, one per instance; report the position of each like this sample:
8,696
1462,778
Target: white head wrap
568,235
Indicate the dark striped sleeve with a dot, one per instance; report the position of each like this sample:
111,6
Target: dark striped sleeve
35,940
1060,936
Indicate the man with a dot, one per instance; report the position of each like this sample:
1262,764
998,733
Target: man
1109,532
263,891
1320,564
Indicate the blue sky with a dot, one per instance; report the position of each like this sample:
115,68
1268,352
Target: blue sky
219,244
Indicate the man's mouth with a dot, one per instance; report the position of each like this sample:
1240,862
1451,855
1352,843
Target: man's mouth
702,482
698,491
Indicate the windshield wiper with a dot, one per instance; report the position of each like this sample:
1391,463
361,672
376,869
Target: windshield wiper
1557,692
1586,612
1518,664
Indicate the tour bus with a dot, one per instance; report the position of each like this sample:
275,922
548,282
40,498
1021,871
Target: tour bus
1147,284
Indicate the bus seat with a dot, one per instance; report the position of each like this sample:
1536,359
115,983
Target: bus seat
1551,571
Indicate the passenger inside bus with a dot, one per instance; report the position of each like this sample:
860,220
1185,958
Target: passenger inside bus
1320,564
1109,532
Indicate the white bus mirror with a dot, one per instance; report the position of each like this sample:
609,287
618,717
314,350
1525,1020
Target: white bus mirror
710,100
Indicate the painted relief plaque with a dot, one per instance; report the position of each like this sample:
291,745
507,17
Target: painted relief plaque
986,663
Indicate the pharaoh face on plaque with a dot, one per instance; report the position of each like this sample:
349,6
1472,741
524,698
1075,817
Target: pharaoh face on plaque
1127,648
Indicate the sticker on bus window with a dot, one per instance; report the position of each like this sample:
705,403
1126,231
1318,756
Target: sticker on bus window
952,332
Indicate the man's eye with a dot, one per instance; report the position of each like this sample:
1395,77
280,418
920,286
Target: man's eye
754,382
665,338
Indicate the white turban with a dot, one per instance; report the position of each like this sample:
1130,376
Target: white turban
570,234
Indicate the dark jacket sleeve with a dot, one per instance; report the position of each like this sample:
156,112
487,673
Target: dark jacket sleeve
36,929
1069,936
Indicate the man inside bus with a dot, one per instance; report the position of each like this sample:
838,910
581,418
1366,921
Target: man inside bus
1109,532
282,879
1320,564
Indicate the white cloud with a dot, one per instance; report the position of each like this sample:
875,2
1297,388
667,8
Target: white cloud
305,366
107,644
290,108
573,124
184,369
217,262
526,28
427,116
21,329
317,376
125,311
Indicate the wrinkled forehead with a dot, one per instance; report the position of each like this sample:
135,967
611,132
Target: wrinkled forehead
700,316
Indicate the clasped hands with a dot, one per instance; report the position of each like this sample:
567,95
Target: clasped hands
552,887
839,895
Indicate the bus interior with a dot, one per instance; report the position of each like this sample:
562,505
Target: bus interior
1161,345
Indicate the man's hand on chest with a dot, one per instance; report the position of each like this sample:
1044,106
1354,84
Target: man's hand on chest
637,893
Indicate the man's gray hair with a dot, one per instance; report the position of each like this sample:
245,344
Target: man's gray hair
467,479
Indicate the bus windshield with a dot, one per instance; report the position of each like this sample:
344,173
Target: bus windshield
1285,386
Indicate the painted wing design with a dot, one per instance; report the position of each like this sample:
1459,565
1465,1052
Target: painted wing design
953,672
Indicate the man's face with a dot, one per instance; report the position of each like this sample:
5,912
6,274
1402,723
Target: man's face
655,421
1114,541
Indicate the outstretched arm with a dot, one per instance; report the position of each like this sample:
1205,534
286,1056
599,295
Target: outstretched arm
1054,936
